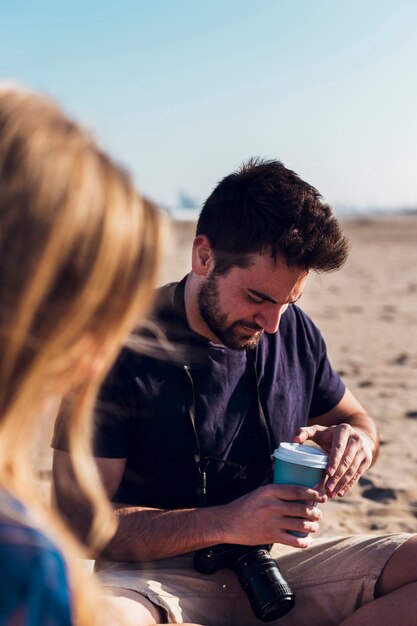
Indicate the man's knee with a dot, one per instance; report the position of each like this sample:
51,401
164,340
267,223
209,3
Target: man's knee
135,608
400,569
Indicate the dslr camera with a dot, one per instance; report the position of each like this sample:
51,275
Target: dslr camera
269,594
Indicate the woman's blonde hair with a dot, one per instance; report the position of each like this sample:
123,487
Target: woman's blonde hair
78,258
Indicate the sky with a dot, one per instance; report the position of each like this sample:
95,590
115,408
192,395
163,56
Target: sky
181,92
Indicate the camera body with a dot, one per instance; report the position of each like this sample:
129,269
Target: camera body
269,594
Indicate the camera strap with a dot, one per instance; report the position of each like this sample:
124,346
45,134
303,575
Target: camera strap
201,473
201,468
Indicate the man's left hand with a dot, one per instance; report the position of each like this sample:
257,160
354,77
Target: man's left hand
350,454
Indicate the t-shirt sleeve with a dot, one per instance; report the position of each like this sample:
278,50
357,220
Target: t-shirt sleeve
328,386
111,417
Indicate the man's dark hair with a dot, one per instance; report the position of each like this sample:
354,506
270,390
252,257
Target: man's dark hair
265,207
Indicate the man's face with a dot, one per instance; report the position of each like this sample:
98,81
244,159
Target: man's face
242,304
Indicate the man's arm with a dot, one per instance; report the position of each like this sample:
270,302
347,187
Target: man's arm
260,517
350,437
69,501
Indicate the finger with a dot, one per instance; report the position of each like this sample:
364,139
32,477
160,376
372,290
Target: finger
321,486
293,541
344,435
303,510
304,433
349,486
347,471
301,525
298,492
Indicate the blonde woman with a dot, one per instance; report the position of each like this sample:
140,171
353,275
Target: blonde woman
78,256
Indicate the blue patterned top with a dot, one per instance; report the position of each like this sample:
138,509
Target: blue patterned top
34,589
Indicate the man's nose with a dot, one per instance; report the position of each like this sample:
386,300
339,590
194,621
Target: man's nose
270,317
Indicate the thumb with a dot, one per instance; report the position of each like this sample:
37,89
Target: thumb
304,433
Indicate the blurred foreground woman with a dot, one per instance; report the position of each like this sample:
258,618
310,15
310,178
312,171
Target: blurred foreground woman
78,257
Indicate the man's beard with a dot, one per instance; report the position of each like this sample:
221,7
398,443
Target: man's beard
233,335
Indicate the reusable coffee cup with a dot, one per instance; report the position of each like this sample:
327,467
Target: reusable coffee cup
297,464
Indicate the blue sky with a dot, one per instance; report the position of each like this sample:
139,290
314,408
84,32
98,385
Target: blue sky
183,91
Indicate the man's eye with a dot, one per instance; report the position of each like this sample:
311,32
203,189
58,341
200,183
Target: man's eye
253,299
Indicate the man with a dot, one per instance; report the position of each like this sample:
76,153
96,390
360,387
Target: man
183,441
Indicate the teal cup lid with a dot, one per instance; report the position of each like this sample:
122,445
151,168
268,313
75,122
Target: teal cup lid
301,455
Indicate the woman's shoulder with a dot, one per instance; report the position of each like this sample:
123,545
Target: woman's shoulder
24,541
33,568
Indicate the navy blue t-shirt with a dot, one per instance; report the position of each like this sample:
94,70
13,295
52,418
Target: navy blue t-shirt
143,413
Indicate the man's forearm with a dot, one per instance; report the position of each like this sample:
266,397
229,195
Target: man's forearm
259,517
148,534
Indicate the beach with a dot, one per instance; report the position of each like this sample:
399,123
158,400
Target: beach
367,313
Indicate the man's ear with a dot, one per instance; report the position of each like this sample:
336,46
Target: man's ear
202,256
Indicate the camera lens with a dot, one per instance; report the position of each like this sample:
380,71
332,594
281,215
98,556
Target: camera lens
269,594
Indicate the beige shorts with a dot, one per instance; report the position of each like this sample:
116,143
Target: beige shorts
330,581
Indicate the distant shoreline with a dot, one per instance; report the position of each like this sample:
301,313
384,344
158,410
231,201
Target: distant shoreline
191,215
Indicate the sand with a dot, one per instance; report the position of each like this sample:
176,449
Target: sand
368,315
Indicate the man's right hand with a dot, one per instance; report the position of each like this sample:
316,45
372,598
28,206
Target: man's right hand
265,515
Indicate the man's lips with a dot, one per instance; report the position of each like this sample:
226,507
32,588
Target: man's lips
251,329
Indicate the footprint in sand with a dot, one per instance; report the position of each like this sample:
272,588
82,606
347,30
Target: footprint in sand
378,494
366,482
378,526
400,359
